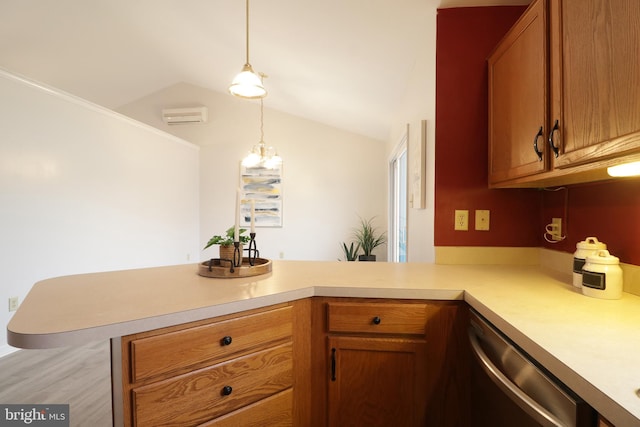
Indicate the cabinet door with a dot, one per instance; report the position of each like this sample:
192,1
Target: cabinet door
518,99
595,79
377,381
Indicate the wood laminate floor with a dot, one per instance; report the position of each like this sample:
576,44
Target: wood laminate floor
79,376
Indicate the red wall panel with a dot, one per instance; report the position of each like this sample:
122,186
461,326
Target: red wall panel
608,210
465,38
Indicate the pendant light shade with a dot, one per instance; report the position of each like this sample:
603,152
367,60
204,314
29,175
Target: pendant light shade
247,84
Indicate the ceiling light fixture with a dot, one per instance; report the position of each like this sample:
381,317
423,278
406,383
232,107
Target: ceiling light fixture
247,84
625,169
261,155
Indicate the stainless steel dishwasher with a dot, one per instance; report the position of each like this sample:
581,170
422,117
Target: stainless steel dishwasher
511,389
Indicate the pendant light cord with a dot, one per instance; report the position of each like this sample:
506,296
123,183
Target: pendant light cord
247,30
261,121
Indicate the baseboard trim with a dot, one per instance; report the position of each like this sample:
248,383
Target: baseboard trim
6,350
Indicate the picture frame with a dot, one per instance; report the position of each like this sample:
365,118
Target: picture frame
263,186
417,161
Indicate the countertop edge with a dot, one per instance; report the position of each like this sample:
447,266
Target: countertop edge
105,332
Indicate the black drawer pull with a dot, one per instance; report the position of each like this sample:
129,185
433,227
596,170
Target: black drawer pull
376,320
226,340
226,390
333,364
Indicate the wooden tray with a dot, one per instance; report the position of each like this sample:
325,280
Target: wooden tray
213,268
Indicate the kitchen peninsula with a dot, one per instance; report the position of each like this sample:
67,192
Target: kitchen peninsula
589,344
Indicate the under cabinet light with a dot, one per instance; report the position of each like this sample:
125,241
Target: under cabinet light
625,169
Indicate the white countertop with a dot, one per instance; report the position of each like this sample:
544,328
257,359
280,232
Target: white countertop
590,344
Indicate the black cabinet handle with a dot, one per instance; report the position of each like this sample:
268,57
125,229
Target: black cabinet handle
226,390
333,364
535,144
376,320
226,340
554,147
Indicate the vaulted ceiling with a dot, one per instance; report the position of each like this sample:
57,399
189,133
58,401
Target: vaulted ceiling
341,62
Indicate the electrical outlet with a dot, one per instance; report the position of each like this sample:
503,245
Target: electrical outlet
461,220
482,220
556,228
13,303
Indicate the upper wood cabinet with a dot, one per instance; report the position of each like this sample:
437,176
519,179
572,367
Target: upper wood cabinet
518,99
595,76
568,67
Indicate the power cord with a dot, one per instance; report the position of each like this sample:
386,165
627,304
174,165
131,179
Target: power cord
550,228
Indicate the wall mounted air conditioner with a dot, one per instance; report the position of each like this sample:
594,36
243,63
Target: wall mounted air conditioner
180,116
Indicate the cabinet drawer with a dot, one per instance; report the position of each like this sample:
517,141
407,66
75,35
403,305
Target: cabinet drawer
200,396
382,318
273,411
175,351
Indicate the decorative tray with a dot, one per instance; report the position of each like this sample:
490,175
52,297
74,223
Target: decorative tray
218,268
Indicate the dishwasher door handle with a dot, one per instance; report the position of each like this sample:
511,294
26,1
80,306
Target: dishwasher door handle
523,400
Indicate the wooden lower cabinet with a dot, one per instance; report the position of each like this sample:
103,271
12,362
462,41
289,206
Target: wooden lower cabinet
377,381
390,363
313,362
236,370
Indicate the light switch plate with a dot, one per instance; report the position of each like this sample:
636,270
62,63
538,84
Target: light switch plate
482,220
14,302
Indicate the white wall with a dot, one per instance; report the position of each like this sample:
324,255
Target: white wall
418,104
84,189
330,176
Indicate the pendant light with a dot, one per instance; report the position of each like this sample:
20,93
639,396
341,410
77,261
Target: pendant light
247,84
261,155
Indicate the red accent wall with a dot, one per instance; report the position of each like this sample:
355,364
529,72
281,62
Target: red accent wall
465,38
608,210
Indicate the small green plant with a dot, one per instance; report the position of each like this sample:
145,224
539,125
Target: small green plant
367,236
227,238
350,253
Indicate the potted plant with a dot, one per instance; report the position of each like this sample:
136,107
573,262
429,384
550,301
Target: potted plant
226,243
350,253
368,238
